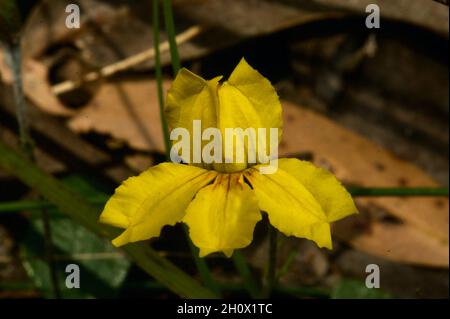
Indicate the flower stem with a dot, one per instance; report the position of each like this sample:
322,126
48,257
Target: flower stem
158,75
170,28
202,266
285,267
15,61
270,275
242,267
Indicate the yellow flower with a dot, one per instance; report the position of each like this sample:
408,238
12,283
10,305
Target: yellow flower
221,203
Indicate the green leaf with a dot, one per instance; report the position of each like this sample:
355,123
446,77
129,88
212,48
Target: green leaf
355,289
101,275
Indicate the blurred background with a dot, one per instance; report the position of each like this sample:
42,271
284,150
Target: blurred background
370,105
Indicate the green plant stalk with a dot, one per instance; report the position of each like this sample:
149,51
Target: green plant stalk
398,191
270,273
15,61
202,266
170,28
27,145
15,206
285,267
86,214
159,80
249,282
200,263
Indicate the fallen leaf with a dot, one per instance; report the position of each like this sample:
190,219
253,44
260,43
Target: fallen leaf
36,85
358,161
38,89
396,242
127,110
5,71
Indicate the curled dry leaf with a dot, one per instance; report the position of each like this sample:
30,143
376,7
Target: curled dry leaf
38,89
36,85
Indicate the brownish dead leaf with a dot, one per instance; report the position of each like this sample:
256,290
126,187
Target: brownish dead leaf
127,111
36,85
356,160
39,91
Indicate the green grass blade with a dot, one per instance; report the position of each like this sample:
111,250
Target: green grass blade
158,75
170,28
202,267
241,266
15,206
398,191
86,214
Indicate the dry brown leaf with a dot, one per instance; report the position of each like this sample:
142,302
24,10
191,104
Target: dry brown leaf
394,241
128,111
38,89
36,86
356,160
5,71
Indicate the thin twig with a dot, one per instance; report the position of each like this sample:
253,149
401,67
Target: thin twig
125,64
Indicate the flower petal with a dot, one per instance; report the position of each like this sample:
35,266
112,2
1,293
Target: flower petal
157,197
223,215
248,99
336,202
192,98
291,208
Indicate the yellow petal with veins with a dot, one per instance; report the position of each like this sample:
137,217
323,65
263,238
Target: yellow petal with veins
291,208
223,215
157,197
192,98
334,199
247,100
